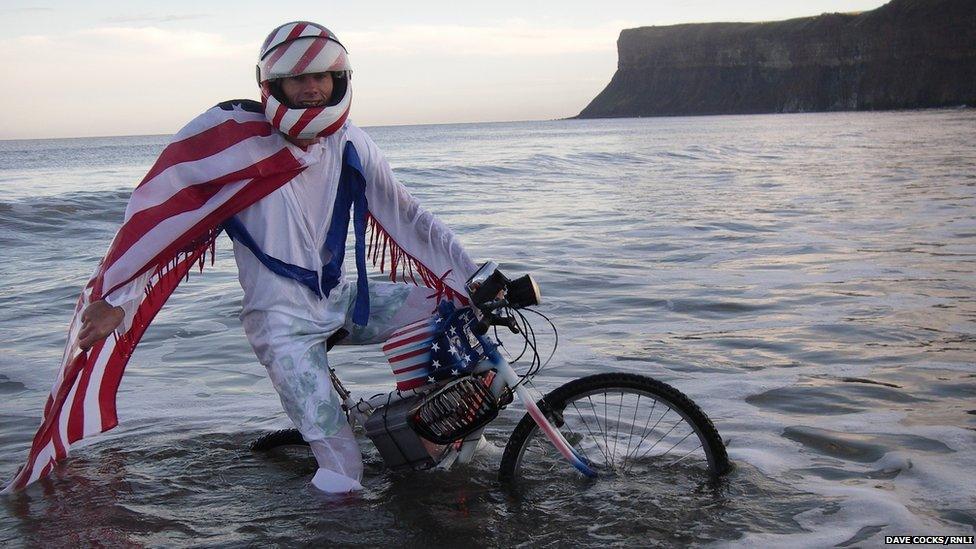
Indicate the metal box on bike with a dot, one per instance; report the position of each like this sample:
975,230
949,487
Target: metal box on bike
433,358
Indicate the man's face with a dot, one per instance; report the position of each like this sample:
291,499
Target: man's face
308,90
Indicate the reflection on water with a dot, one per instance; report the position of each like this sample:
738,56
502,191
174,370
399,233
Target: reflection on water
807,279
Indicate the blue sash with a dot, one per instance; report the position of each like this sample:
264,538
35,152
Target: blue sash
351,193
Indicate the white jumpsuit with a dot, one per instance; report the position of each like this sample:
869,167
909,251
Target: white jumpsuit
287,324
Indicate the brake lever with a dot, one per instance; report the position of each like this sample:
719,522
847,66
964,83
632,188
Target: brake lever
489,320
510,322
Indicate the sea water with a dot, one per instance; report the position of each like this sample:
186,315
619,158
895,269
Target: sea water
808,279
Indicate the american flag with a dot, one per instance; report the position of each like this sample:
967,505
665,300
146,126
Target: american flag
433,349
220,163
409,352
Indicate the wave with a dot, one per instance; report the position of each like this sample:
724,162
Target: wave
69,153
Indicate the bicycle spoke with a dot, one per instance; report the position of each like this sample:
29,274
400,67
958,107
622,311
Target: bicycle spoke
596,419
540,446
606,418
658,441
616,438
646,423
679,422
576,436
630,435
595,437
668,451
693,450
645,432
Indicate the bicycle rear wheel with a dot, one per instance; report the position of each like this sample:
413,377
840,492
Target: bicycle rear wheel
624,425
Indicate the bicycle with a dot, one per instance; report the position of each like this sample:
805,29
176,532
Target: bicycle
457,381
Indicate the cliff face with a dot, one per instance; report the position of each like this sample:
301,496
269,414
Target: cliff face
905,54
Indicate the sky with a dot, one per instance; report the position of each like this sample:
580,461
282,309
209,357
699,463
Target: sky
76,69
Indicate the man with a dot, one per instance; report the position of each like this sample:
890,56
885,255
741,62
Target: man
287,209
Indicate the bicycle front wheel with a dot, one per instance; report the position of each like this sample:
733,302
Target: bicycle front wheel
624,425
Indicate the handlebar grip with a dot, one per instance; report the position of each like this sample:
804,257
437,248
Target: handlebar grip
512,324
481,328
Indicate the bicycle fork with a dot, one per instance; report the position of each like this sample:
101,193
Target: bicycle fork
507,377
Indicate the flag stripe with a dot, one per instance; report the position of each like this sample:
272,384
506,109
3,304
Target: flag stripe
191,198
411,354
145,221
423,363
412,384
207,143
416,373
420,324
61,431
408,351
76,416
411,339
59,395
35,470
93,413
247,196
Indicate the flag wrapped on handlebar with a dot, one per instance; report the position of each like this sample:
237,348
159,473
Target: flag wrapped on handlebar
435,349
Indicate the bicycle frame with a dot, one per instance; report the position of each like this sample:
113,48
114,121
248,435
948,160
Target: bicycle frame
506,379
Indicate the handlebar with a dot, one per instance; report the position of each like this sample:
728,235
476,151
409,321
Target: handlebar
485,287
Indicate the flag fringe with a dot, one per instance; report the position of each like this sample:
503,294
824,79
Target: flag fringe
383,248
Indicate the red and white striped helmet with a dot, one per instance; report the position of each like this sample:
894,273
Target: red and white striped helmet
298,48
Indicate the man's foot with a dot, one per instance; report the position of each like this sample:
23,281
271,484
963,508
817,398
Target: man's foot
331,482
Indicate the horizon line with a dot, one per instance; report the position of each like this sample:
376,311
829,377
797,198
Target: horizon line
566,119
364,127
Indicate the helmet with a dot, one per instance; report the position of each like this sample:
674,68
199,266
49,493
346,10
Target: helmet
298,48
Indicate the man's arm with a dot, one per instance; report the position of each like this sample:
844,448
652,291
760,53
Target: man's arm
414,229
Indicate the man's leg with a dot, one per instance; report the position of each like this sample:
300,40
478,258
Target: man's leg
293,351
391,306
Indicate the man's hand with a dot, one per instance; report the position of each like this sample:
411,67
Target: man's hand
98,321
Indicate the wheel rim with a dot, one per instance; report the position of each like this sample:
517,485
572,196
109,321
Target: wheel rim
623,432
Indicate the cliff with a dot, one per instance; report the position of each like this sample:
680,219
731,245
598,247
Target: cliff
905,54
